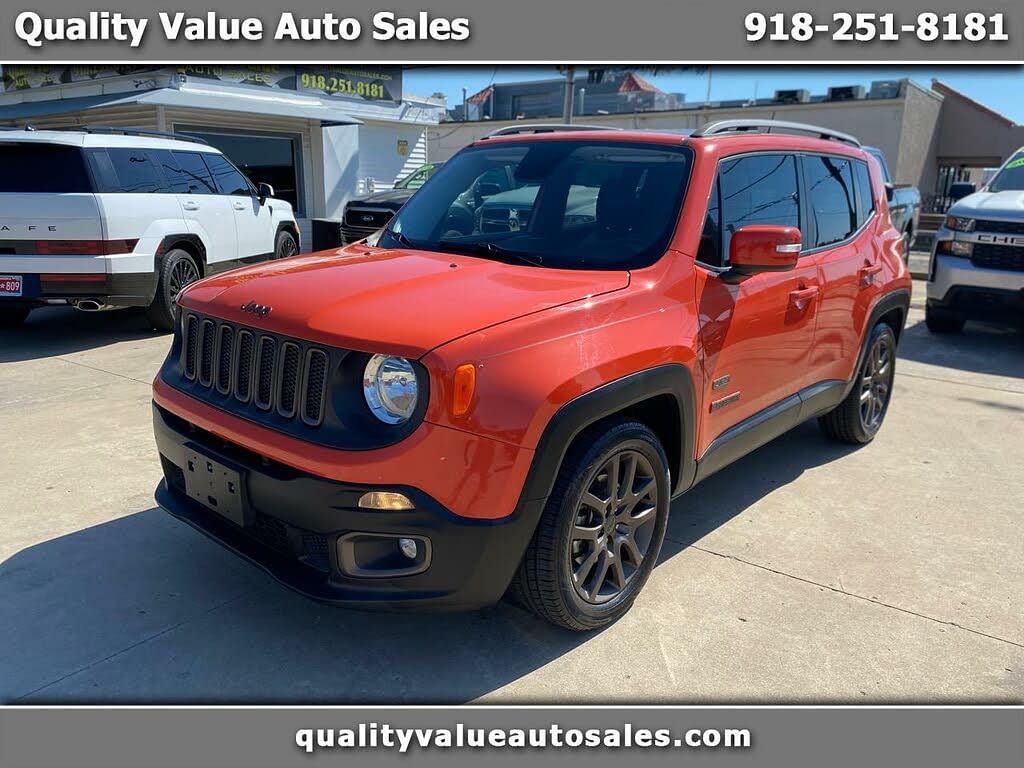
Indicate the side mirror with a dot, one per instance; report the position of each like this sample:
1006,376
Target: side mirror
265,191
890,191
961,189
762,248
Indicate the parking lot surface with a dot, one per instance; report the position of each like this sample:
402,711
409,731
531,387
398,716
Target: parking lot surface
806,572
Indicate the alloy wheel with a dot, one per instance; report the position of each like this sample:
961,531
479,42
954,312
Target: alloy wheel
613,527
876,383
287,248
182,273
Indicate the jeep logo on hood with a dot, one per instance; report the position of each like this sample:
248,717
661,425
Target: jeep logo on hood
262,310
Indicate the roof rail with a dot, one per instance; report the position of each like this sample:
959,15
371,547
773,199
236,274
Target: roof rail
110,129
767,126
511,130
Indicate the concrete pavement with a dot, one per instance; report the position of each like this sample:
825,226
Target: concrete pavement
807,572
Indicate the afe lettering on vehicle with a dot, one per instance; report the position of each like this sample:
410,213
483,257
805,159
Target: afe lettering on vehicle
262,310
29,227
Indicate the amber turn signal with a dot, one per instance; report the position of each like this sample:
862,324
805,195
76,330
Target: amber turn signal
464,384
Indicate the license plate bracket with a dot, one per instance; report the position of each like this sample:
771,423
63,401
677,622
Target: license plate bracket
12,285
217,486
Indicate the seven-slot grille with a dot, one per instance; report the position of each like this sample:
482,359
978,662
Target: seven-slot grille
272,373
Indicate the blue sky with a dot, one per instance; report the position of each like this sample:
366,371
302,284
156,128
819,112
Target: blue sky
999,88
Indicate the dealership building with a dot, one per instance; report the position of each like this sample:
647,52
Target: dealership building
318,135
930,136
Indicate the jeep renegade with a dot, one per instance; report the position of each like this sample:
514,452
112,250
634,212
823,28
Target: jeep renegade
100,217
465,406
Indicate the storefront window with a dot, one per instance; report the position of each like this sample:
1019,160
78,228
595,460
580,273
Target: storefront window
272,159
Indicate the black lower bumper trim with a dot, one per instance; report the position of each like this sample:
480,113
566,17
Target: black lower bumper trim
118,290
472,561
983,303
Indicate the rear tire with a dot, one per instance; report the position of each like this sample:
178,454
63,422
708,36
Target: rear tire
177,270
943,320
598,540
13,317
858,418
285,245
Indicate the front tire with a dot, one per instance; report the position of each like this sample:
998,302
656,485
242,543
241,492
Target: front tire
859,417
601,531
13,317
942,320
285,245
177,270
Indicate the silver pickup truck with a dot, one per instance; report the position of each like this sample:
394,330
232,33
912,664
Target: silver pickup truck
977,263
904,203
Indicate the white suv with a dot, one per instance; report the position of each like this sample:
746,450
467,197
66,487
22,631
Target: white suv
100,218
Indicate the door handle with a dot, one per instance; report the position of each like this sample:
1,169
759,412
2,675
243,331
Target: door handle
239,206
802,297
867,274
189,205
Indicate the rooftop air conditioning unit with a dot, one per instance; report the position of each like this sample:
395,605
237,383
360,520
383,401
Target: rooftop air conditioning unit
885,89
845,93
800,96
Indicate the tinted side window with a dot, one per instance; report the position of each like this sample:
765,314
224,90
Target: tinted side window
229,179
38,167
164,160
757,189
136,170
833,205
865,194
194,174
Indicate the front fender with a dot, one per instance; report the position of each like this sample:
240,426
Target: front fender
542,378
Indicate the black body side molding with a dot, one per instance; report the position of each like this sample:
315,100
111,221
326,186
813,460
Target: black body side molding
815,400
608,399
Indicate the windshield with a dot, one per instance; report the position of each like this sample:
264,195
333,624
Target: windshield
562,204
1011,176
417,178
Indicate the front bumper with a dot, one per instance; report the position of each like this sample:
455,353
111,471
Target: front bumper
296,519
975,292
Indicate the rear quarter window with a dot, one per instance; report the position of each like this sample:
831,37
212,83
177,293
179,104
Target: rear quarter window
27,167
137,170
865,192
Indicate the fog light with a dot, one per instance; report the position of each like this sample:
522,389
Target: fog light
961,248
409,548
386,500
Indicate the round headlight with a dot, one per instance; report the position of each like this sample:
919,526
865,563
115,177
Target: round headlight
390,388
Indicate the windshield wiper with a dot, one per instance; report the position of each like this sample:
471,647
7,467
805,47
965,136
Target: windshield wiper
493,250
403,241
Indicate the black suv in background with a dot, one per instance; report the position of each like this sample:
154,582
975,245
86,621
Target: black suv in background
366,215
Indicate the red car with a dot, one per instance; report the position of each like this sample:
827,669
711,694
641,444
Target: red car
467,405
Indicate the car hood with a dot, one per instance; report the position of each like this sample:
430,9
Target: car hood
396,301
390,198
1008,204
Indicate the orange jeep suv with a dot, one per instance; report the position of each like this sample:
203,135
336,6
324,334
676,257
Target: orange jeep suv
503,390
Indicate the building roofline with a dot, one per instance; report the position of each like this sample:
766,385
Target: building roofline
948,90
